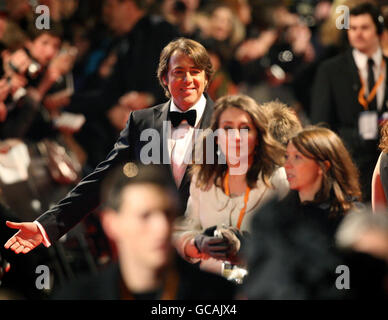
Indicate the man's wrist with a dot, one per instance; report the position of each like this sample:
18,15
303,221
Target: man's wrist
46,242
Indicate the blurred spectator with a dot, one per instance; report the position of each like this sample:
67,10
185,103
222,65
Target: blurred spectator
225,29
366,232
221,84
140,231
242,9
185,15
268,60
283,122
349,91
36,69
288,258
12,37
221,35
292,258
21,13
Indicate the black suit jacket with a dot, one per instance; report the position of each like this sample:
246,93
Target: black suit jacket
335,98
335,102
193,284
84,198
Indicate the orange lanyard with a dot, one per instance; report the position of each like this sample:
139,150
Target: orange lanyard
227,192
361,94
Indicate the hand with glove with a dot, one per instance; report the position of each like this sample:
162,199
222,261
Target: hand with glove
236,240
214,247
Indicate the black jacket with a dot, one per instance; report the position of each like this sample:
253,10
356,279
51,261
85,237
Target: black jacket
335,102
335,97
192,284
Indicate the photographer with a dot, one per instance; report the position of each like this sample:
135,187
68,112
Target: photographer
32,72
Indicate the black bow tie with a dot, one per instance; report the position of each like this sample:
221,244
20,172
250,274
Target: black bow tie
177,117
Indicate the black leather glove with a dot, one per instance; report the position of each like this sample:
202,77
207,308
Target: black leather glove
215,247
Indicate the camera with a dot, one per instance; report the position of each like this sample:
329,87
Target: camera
33,68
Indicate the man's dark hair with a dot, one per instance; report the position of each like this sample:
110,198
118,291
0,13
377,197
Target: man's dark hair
373,11
130,174
55,30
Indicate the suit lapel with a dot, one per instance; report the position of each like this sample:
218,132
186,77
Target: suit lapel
207,115
160,124
353,75
205,123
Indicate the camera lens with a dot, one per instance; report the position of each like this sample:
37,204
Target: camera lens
33,69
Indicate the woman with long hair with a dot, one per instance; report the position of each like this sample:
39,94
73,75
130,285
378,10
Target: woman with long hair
293,239
239,169
323,179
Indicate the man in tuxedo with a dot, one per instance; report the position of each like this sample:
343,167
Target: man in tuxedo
147,266
350,91
184,72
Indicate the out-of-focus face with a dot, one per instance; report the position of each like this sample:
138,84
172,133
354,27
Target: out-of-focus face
221,23
303,174
374,242
143,225
362,33
115,15
185,81
239,137
18,8
44,48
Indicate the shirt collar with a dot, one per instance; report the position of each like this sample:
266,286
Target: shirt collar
199,107
361,59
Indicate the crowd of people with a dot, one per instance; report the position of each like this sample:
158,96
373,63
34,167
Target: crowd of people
148,147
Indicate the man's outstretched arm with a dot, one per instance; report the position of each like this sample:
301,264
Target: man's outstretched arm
79,202
27,238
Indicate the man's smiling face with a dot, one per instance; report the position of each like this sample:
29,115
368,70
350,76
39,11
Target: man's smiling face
185,81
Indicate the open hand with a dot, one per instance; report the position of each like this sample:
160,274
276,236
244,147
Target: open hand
27,238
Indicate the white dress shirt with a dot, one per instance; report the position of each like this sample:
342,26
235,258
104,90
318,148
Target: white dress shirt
181,140
361,60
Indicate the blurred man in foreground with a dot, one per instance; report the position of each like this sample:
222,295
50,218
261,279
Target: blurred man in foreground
140,209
